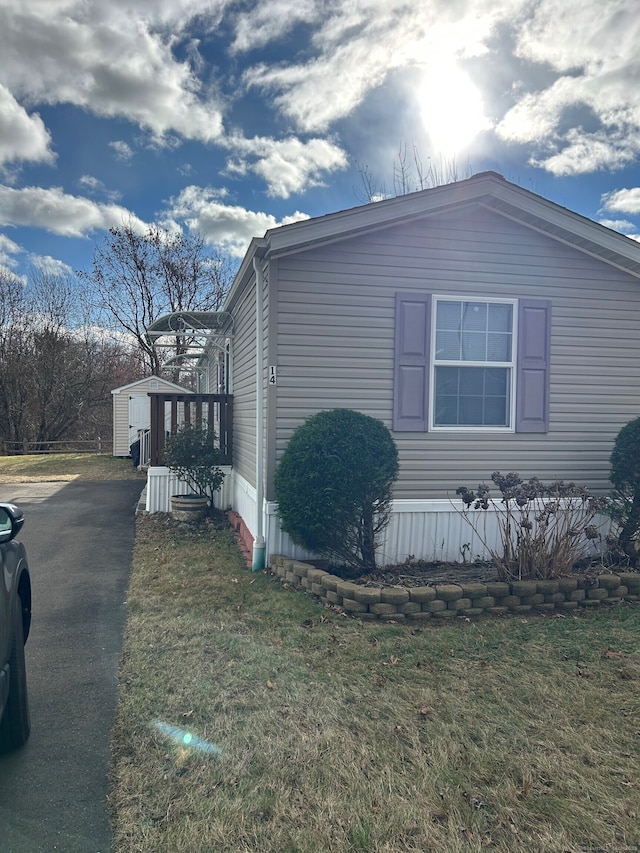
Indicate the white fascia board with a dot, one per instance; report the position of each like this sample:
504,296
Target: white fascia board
245,272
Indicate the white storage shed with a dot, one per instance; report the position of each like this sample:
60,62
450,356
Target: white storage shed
132,410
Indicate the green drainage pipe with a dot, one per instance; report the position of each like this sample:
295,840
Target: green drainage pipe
259,551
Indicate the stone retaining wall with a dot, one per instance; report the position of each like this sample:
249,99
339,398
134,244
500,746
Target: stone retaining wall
444,601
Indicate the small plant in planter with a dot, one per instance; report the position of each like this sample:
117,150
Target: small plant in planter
192,455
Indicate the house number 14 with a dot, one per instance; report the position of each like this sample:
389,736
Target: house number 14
272,375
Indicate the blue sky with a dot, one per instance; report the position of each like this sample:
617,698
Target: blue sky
234,117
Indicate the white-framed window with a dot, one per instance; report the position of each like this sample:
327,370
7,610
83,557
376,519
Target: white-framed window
473,364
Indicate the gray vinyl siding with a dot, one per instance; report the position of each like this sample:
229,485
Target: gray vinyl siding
121,424
335,343
244,390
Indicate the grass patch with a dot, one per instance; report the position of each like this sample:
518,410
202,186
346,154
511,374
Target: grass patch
53,467
335,735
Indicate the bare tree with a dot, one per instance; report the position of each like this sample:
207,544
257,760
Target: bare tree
14,357
56,371
410,173
138,277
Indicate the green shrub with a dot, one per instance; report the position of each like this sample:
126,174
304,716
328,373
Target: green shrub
191,453
334,486
543,530
625,500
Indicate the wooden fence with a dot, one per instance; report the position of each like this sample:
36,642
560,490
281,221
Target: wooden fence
22,448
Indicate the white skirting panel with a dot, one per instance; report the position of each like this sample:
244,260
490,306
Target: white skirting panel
162,483
429,530
423,530
279,542
435,530
243,501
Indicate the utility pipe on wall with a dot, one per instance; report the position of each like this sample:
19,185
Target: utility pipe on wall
259,545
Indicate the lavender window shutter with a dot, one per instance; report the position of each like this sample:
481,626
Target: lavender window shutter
411,375
534,347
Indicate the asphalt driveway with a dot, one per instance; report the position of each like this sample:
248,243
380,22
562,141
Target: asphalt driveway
79,539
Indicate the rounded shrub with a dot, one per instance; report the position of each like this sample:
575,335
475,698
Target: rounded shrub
625,458
625,476
334,486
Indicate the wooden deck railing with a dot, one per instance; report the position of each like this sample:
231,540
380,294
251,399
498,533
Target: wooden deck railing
169,411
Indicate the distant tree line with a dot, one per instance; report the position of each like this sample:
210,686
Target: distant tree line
67,340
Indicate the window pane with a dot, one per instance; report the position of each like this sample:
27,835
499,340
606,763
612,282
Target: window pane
448,346
470,380
495,381
474,346
498,347
470,411
474,331
448,315
500,318
447,380
447,411
494,412
474,316
472,396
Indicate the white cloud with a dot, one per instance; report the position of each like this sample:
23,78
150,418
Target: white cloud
229,226
580,34
8,247
50,266
590,114
112,58
8,263
96,187
287,166
622,201
59,212
313,95
10,277
585,153
621,225
22,136
122,150
269,21
358,43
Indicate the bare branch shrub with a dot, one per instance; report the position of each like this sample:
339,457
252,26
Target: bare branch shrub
544,530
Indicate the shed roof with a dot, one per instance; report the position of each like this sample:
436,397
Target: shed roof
139,383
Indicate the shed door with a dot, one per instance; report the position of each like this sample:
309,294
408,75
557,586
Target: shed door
139,415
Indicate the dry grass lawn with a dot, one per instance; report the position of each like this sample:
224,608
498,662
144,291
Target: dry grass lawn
251,719
37,468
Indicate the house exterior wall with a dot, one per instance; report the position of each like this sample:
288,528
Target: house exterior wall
335,344
243,387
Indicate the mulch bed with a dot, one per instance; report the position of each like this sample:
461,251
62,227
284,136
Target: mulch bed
417,573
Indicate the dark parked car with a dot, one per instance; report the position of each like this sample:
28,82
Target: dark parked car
15,621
